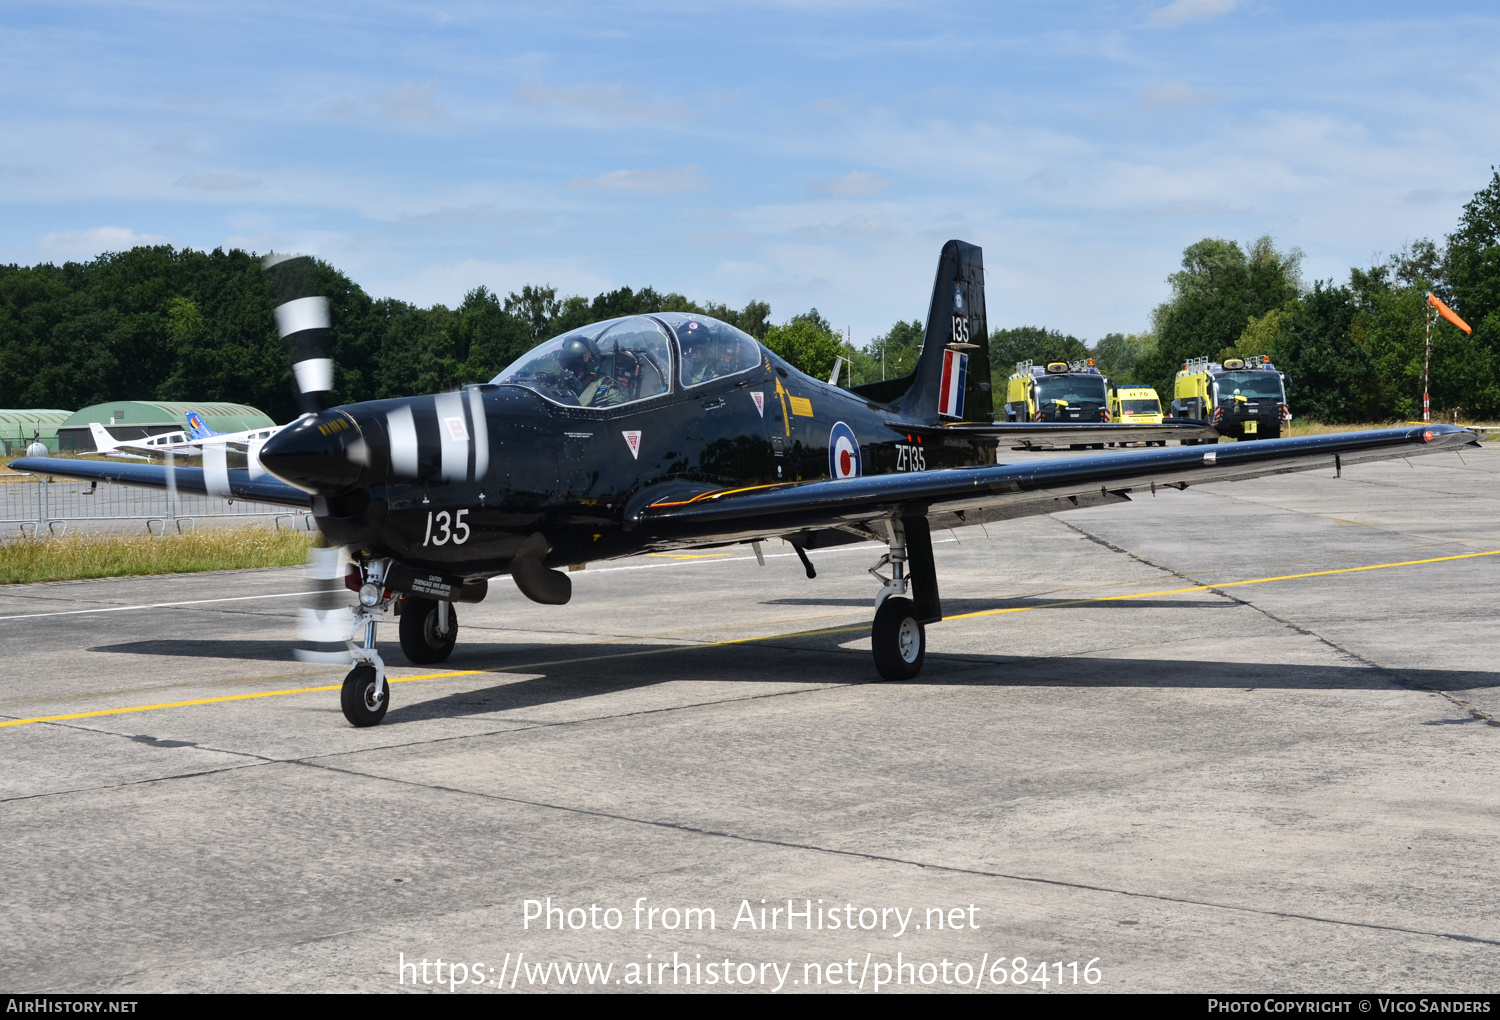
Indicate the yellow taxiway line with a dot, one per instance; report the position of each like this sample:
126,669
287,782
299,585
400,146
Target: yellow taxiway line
772,637
227,697
1228,584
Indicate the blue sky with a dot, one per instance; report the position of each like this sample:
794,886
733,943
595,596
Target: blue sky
800,153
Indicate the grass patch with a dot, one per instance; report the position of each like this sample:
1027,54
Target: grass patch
78,556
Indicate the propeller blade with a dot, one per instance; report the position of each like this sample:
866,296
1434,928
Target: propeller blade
303,322
323,627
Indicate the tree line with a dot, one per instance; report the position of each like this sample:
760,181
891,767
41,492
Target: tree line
159,323
1354,350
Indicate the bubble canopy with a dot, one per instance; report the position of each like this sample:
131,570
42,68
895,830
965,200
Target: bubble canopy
620,361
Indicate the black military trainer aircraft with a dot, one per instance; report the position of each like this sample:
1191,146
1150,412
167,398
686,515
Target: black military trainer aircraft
658,432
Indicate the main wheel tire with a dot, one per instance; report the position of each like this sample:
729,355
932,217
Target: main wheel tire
898,640
420,641
363,704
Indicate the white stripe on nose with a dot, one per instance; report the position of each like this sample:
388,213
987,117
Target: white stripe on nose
454,434
481,434
403,431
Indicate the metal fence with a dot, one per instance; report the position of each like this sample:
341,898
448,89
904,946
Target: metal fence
31,505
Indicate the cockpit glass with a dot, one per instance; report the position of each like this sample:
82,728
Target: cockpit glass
600,365
1071,389
1251,385
711,349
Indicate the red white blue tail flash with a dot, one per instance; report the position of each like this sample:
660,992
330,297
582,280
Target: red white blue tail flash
955,375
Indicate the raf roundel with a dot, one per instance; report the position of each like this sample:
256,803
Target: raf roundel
843,452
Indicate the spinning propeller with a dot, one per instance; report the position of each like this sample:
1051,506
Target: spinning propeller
323,452
303,455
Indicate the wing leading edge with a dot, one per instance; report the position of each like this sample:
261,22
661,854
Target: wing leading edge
976,495
213,481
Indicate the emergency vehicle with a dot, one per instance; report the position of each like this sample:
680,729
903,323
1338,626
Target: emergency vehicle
1136,405
1058,391
1242,398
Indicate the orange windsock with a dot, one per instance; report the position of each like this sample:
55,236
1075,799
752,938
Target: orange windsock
1447,313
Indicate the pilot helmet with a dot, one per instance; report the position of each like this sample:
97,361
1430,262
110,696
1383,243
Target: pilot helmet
577,355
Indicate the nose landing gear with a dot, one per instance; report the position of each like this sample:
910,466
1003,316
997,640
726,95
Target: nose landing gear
898,636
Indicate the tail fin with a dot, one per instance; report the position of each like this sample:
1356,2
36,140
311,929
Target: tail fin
197,428
952,379
103,441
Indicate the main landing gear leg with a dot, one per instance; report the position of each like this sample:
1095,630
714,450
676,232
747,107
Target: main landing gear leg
898,636
366,694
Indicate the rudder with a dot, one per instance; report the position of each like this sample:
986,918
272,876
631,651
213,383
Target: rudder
952,379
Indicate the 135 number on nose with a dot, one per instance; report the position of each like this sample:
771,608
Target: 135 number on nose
453,528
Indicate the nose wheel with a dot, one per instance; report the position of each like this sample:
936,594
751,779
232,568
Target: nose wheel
364,698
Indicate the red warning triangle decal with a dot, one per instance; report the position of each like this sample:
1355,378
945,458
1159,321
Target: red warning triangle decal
633,440
760,401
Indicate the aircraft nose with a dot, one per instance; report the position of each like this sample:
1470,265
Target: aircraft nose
321,453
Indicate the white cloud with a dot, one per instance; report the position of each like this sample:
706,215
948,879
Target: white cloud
249,242
447,284
1049,179
855,184
94,241
1180,12
606,103
217,182
850,227
1175,93
410,102
486,214
722,237
673,180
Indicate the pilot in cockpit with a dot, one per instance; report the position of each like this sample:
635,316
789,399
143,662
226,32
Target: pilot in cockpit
584,374
702,357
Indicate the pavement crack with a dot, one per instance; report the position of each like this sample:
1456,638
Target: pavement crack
704,831
1477,713
106,787
526,726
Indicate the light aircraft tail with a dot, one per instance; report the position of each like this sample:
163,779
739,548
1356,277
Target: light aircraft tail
952,379
197,427
103,441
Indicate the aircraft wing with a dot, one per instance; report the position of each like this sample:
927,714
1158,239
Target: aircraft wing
1022,489
235,484
1025,435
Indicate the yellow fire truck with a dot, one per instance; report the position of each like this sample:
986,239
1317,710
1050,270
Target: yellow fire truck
1242,398
1058,391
